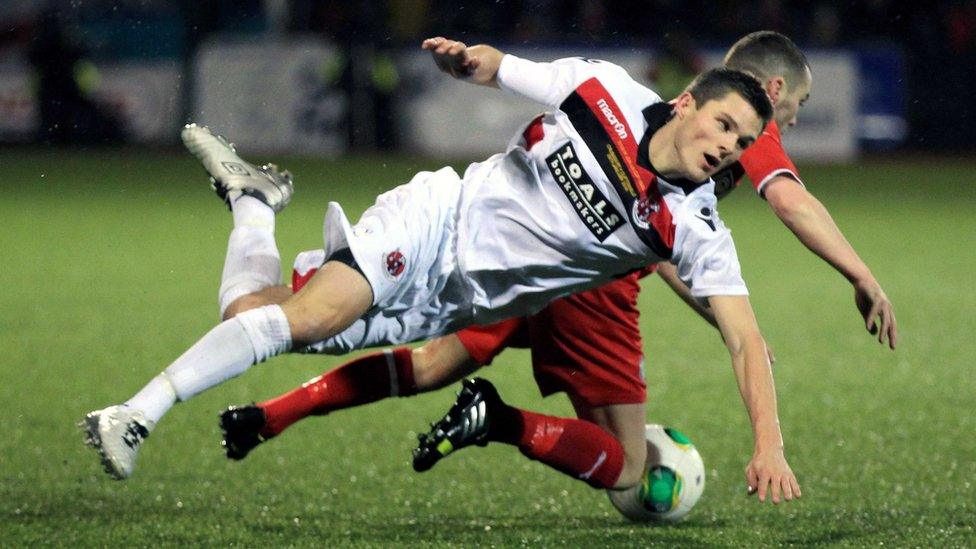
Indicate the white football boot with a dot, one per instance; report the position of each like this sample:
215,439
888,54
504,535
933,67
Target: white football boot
228,172
116,433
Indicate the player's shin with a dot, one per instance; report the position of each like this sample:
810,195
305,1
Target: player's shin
155,399
574,447
229,349
366,379
117,432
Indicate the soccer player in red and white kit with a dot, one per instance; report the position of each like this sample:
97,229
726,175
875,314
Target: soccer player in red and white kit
588,345
608,181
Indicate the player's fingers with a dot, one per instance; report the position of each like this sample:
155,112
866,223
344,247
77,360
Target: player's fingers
870,320
775,489
893,335
456,48
470,64
885,331
796,487
431,43
752,481
763,487
787,488
443,47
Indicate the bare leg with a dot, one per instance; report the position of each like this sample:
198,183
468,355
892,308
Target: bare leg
272,295
329,303
441,362
626,423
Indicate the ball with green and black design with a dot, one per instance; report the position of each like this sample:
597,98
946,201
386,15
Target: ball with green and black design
678,437
660,490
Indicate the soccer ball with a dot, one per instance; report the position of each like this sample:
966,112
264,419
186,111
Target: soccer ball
673,481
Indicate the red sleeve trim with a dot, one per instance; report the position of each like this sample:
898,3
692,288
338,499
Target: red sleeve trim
766,159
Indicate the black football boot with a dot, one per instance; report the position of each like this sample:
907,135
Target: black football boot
468,422
241,426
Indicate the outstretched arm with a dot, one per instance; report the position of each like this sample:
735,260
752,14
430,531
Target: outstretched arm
476,64
811,223
669,274
767,470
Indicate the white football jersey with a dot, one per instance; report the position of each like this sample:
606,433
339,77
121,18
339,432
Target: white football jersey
571,205
574,203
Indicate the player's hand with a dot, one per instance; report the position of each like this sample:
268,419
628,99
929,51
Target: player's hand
451,56
768,475
875,307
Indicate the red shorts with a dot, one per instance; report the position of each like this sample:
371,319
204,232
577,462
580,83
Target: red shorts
587,345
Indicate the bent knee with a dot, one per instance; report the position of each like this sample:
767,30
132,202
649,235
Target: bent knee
243,303
268,296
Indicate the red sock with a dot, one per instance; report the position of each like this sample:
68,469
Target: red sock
575,447
361,381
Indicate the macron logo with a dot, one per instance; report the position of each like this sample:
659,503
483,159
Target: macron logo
618,126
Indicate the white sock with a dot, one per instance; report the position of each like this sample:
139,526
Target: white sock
253,261
226,351
155,399
231,348
249,211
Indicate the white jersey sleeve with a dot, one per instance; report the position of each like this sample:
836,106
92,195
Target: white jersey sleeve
704,253
550,83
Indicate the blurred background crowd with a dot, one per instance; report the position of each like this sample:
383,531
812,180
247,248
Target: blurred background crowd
58,56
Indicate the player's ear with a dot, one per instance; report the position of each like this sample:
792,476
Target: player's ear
683,104
774,87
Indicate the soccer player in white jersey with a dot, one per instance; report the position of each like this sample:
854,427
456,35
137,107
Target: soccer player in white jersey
587,345
574,202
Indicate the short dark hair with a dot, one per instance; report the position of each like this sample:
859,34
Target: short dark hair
717,83
766,54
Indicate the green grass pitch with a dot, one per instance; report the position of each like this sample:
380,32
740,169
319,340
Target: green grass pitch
111,262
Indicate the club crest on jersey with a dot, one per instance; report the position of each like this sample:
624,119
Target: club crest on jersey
592,207
395,264
642,210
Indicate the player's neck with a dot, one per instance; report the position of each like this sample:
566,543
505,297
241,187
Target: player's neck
663,154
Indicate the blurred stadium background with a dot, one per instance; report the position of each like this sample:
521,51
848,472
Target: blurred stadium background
328,76
113,245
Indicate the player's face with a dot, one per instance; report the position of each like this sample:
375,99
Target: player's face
788,104
713,135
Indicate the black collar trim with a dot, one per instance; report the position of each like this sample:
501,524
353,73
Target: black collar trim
656,116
